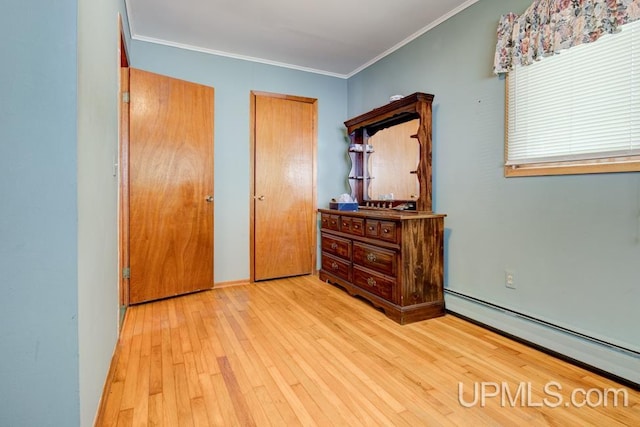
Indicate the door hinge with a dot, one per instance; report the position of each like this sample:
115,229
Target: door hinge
126,273
125,97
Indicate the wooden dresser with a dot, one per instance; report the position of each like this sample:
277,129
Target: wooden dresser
394,259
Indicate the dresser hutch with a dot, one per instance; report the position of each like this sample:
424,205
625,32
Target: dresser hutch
389,251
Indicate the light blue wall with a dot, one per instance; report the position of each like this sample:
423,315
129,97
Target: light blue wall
38,215
233,81
98,67
58,254
573,242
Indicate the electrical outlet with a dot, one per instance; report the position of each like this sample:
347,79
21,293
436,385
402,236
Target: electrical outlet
509,281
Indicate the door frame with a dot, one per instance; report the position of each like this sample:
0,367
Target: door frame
252,174
123,168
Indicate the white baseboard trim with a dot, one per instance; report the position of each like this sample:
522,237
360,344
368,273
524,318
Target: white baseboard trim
617,362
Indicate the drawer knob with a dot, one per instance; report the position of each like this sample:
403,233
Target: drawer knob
334,265
344,224
371,228
371,257
334,246
385,230
356,226
372,282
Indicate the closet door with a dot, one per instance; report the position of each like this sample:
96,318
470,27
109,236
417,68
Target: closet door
284,185
170,186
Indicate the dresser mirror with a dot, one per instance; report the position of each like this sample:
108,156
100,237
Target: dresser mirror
390,151
392,163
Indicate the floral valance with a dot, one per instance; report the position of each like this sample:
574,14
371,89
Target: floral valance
549,26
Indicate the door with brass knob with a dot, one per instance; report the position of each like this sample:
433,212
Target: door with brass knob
170,187
283,232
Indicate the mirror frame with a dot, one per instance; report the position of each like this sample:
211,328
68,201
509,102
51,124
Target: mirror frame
417,105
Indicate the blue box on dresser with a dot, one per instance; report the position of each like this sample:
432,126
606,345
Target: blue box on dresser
343,206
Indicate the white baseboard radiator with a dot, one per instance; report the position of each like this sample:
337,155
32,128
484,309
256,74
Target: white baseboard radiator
617,362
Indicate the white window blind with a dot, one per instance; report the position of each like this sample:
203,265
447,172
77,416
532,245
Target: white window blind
580,104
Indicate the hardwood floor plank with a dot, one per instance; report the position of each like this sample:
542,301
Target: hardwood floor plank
186,344
273,418
198,324
299,352
169,403
125,418
132,372
236,395
246,369
196,342
112,405
155,370
156,410
183,401
193,382
220,393
147,330
292,399
208,357
177,356
124,346
158,317
199,412
211,402
269,392
141,402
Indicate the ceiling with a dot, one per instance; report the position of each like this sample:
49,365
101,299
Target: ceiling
333,37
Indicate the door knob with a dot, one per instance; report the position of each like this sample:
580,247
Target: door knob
261,198
209,199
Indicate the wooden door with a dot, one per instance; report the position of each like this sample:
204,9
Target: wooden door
170,186
284,186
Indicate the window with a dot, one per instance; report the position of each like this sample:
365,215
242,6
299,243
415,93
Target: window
577,111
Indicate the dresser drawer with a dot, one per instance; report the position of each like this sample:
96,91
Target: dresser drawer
352,225
385,230
330,222
336,266
374,283
388,231
375,258
336,246
372,228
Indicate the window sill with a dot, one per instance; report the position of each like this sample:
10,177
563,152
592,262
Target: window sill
627,164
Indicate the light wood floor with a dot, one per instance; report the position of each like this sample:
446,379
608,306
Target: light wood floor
302,352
